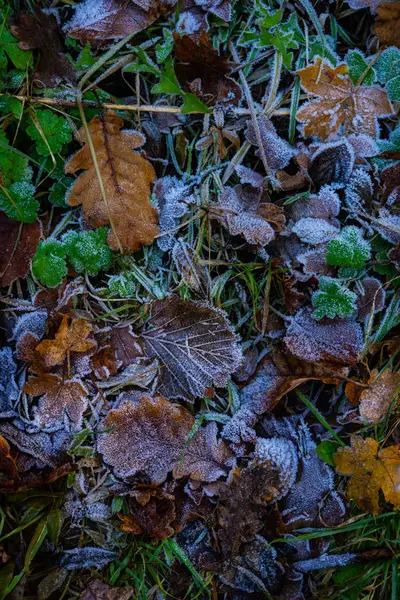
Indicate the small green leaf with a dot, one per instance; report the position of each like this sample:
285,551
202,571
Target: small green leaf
349,249
54,521
49,264
50,132
326,450
14,166
393,89
332,299
35,543
8,104
164,49
88,250
388,65
18,202
122,285
193,104
6,575
58,191
21,59
85,59
358,65
168,83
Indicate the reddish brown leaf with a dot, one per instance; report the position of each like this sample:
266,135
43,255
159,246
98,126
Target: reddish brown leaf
203,72
126,177
71,337
387,24
97,590
376,400
41,31
19,243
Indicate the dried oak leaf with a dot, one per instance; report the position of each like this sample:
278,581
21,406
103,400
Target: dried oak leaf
59,396
387,24
339,102
376,400
126,177
205,458
40,31
203,72
147,436
334,341
19,243
194,344
102,20
371,470
97,590
72,336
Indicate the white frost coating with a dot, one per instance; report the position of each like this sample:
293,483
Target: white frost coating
359,190
324,561
33,323
388,226
314,231
171,193
282,453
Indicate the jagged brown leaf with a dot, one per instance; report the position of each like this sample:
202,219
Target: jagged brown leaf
72,336
127,179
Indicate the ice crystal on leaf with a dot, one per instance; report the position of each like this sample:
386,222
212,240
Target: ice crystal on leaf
314,231
333,299
49,265
72,336
332,163
18,202
195,345
388,226
83,558
9,391
281,453
88,251
371,298
49,131
375,401
359,191
359,70
326,205
277,150
174,197
349,249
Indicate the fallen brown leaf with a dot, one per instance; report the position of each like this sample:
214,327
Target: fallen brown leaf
127,178
19,243
387,24
376,400
97,590
72,336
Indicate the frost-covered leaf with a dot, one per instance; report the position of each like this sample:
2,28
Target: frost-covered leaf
359,191
59,396
388,64
326,205
146,436
332,163
376,400
88,250
338,103
49,264
277,150
194,344
357,4
195,275
371,470
127,178
359,69
205,458
28,330
83,558
314,231
49,131
9,390
372,300
72,336
241,212
19,243
388,226
58,192
99,21
282,454
337,342
204,73
98,590
18,201
333,299
173,196
349,249
387,23
13,166
40,30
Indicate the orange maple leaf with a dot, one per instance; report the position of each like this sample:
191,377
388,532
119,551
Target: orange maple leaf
339,102
71,337
123,199
371,470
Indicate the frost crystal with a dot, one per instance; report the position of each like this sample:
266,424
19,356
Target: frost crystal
332,163
314,231
359,191
281,453
174,197
388,226
83,558
277,150
9,391
325,561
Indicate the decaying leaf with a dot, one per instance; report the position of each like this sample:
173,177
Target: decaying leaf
387,24
97,590
126,178
72,336
338,341
9,391
372,300
194,344
59,396
8,469
339,104
277,150
99,21
201,71
376,400
332,164
19,243
195,275
371,470
146,436
41,30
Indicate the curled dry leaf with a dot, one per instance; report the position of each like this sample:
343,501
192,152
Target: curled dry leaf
332,163
372,300
194,344
40,30
102,20
146,436
333,341
387,24
195,275
371,470
203,72
277,150
72,336
59,397
376,400
19,243
339,103
126,178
